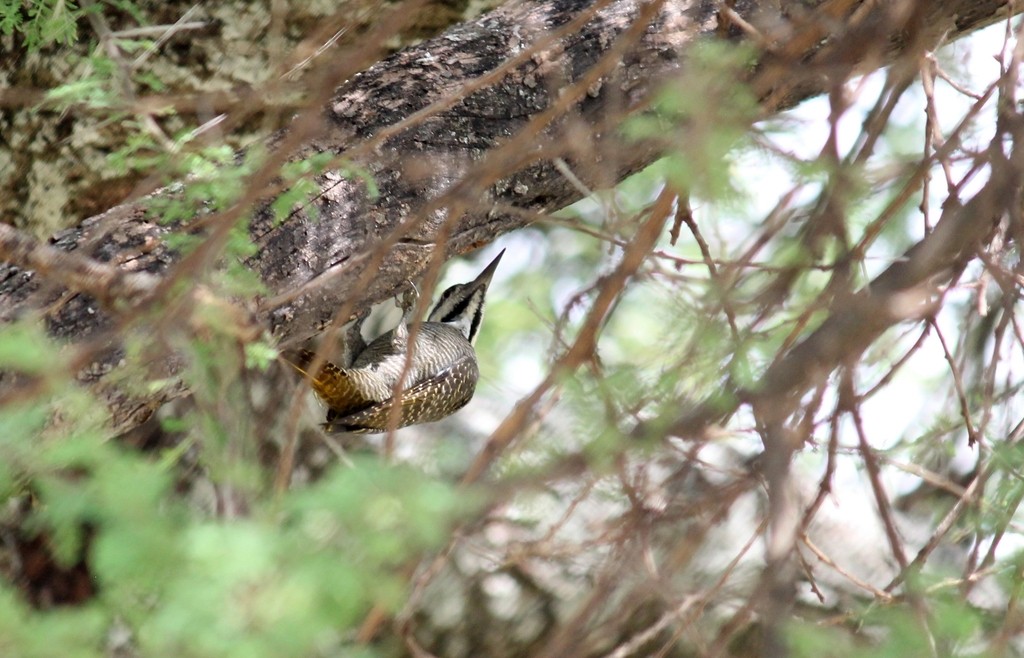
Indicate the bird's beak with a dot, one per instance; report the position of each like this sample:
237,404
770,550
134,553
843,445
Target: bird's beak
484,279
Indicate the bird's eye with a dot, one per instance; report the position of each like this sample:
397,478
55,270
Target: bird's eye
457,310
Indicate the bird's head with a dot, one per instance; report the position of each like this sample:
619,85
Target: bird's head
462,305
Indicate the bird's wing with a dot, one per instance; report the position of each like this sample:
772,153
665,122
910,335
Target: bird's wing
428,400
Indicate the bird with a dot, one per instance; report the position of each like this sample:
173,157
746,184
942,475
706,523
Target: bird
441,377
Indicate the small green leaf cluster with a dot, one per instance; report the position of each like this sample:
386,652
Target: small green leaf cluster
700,129
945,626
41,22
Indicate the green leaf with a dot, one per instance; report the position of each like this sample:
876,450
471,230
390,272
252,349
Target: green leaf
24,347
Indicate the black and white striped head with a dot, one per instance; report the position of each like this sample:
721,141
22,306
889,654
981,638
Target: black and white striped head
462,305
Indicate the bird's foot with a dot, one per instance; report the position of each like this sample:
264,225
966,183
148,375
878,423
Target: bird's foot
409,298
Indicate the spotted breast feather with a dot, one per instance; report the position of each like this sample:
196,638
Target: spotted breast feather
431,399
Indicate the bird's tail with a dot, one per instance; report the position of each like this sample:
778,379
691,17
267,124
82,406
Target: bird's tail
334,385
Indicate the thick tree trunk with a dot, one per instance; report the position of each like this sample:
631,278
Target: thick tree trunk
441,129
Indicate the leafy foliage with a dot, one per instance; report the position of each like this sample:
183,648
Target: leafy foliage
41,22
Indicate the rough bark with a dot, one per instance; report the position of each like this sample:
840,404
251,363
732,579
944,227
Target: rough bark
441,127
55,166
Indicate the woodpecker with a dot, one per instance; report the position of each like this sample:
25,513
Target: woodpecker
441,378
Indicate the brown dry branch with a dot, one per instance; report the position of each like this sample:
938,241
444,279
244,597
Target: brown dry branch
906,290
910,289
586,341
